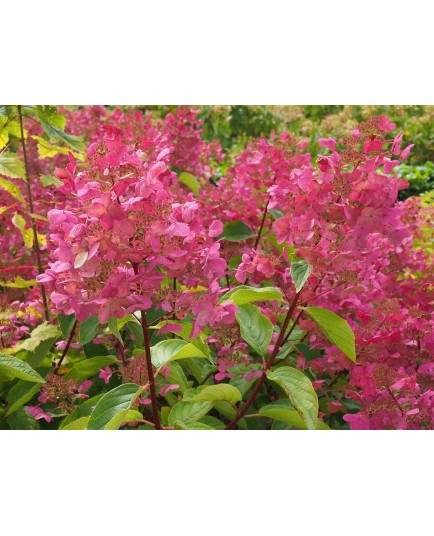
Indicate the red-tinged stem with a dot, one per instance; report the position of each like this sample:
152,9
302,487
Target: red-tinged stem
122,352
335,379
208,376
264,215
145,329
32,219
149,423
322,293
267,366
396,401
291,329
68,344
258,236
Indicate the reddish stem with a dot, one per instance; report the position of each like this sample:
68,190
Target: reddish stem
68,344
145,329
258,237
267,366
32,219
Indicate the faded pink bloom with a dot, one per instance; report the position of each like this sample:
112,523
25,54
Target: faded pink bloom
406,152
105,374
85,386
330,143
38,413
167,388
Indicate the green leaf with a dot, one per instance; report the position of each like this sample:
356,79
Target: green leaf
17,368
212,422
244,294
164,351
95,350
255,328
48,150
222,391
129,318
187,412
12,127
21,392
20,224
192,426
242,384
79,424
12,189
12,166
336,329
19,282
308,352
132,415
300,392
199,342
113,327
190,180
173,349
4,137
117,420
7,127
176,375
88,330
50,115
234,231
38,344
41,333
89,367
83,410
300,272
22,420
56,134
111,410
47,180
66,322
228,411
277,214
286,413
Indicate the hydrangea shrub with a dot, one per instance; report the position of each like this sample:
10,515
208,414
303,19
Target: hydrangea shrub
144,289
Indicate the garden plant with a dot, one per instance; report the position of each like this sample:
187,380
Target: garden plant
214,268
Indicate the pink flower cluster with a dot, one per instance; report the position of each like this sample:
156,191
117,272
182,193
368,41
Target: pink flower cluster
129,228
341,216
125,235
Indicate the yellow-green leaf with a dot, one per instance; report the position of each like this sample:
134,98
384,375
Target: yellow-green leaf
172,350
284,412
221,391
244,294
27,234
17,368
111,410
336,329
300,272
300,392
12,166
12,189
255,328
190,180
19,282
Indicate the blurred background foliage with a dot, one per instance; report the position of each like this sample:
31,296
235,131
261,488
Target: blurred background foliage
235,125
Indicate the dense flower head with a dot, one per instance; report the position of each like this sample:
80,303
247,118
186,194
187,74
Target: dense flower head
340,215
129,227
